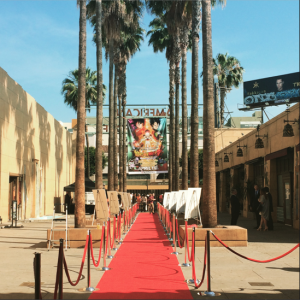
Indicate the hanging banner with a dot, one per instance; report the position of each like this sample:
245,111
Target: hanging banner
147,146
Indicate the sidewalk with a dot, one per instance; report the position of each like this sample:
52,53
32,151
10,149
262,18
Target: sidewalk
230,274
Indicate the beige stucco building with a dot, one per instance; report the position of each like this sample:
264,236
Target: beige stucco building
276,166
35,154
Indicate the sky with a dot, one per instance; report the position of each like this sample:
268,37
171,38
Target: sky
39,46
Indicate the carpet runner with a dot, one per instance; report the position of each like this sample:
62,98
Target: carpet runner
143,267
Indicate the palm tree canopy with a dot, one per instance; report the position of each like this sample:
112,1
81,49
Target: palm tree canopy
228,70
70,88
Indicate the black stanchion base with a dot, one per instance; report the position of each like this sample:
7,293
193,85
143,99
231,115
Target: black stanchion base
109,256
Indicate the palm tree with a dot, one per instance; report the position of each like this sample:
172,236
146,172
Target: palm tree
209,215
161,40
131,39
230,74
99,116
70,92
80,176
196,18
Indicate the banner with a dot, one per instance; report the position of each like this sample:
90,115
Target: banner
147,145
273,90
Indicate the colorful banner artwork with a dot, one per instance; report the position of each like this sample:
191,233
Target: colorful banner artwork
147,145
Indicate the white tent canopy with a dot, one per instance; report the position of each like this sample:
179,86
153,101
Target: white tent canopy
166,200
173,200
192,210
181,201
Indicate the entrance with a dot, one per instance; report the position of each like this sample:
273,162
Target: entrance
15,194
285,188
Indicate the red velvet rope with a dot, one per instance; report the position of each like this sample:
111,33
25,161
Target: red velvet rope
255,260
193,264
96,264
81,267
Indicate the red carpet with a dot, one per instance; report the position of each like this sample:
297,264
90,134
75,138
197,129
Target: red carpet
143,267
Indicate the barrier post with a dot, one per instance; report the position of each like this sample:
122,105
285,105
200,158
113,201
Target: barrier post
89,288
120,226
208,292
115,231
193,256
171,230
37,275
104,268
185,264
61,262
109,239
174,237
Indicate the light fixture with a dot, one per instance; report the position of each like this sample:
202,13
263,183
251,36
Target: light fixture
259,142
240,150
226,157
288,129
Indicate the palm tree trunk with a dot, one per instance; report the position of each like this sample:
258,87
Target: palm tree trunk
171,136
184,44
177,81
99,117
111,120
80,176
222,104
124,147
209,218
124,131
120,145
194,156
87,153
173,125
116,129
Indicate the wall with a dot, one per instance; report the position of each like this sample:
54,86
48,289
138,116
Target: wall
31,142
272,143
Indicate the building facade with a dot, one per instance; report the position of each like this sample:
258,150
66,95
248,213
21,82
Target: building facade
36,156
276,166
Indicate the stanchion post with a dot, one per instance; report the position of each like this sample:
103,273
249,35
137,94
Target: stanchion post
37,275
109,239
104,268
115,231
193,255
208,292
174,236
61,262
185,264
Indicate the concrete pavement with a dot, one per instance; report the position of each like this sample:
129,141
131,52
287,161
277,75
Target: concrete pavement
232,276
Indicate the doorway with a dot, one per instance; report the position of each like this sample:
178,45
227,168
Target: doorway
15,194
285,186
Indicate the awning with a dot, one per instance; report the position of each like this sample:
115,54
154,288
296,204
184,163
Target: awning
238,166
253,161
89,186
276,154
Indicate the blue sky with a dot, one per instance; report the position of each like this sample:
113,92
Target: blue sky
39,46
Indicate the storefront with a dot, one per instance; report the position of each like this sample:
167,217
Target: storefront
274,164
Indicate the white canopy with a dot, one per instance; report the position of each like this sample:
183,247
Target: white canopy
181,201
166,200
192,204
173,200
